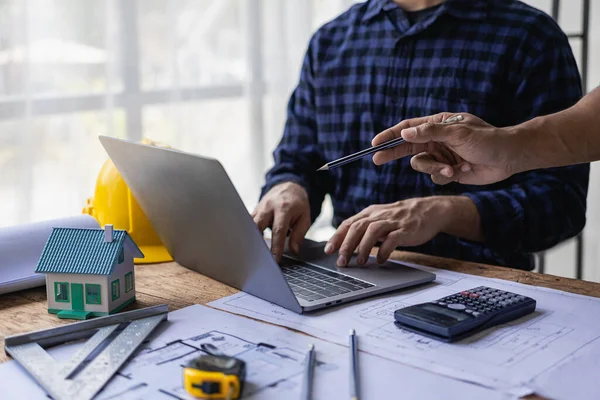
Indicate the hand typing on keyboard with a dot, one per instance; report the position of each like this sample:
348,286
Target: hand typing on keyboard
285,208
405,223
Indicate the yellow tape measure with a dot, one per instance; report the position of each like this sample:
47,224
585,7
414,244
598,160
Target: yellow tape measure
215,377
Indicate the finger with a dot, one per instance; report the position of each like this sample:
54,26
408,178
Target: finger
351,241
281,225
427,164
442,180
461,173
430,132
395,131
337,238
263,220
374,232
393,240
299,231
442,153
400,151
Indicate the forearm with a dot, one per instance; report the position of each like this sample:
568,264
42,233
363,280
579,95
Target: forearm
568,137
460,217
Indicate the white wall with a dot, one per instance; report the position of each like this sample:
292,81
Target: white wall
119,273
77,278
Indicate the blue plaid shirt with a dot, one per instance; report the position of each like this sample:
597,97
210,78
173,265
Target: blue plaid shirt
369,68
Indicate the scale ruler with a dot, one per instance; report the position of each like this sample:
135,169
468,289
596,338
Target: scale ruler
112,340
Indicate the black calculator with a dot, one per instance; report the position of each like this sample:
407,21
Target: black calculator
463,314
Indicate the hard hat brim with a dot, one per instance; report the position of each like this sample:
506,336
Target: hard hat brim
153,255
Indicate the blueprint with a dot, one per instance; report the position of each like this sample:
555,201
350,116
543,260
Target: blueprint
511,357
274,357
21,247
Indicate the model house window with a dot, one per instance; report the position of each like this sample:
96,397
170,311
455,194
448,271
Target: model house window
116,289
128,282
61,292
121,256
92,293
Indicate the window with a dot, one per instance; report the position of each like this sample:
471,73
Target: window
61,292
121,256
128,282
92,294
116,289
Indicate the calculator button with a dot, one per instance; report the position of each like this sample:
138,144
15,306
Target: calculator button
457,306
469,311
441,303
476,314
464,293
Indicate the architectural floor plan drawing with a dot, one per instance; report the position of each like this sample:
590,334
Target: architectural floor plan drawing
275,363
268,365
508,357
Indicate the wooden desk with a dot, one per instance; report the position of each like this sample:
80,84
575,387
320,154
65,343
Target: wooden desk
179,287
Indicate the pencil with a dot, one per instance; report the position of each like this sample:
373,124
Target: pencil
353,366
383,146
307,384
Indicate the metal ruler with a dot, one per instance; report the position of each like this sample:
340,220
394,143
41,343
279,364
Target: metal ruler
112,340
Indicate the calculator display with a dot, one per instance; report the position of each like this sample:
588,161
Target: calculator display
455,315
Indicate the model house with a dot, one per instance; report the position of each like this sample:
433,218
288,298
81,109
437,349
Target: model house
89,272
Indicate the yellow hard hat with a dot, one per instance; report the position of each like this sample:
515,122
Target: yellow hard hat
114,204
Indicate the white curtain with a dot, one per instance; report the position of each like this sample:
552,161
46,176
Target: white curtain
206,76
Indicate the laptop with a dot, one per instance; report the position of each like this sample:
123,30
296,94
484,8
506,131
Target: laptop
202,221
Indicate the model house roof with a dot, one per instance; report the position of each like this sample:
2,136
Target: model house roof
84,251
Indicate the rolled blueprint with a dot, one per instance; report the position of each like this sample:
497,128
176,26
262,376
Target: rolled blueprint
21,246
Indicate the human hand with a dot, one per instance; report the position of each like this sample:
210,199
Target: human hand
285,207
404,223
470,151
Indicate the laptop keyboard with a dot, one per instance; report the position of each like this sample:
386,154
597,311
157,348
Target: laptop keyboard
312,283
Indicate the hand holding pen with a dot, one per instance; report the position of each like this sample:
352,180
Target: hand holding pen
472,152
379,147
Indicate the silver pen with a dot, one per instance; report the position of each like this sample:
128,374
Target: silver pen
383,146
309,368
354,387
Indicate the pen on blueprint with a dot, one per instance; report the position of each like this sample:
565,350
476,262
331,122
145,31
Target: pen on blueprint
309,368
371,150
354,387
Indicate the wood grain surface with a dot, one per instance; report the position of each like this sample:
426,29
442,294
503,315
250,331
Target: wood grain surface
179,287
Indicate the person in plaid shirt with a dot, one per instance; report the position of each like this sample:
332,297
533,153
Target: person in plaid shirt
384,61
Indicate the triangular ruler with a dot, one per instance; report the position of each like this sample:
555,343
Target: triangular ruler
112,340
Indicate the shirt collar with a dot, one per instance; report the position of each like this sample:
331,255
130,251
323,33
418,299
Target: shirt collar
465,9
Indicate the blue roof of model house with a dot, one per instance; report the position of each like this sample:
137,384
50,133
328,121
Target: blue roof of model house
83,251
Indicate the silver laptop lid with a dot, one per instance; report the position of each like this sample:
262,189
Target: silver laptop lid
200,218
